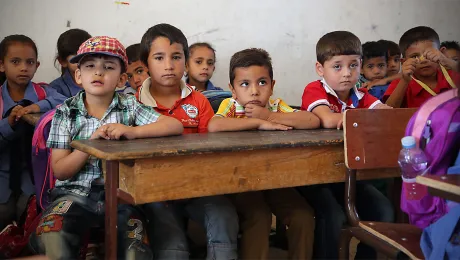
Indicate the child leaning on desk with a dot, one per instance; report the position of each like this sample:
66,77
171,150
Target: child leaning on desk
98,112
338,64
251,83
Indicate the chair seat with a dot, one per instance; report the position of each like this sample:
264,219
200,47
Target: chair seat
404,237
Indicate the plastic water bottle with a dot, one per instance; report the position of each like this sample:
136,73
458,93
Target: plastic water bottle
413,162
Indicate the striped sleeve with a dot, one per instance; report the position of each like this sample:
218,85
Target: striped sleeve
227,108
314,95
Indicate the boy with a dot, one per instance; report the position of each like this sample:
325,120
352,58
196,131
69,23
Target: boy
339,63
251,83
394,58
95,113
374,69
421,74
137,72
451,49
164,50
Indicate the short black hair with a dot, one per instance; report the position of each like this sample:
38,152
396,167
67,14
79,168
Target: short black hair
162,30
250,57
392,47
451,45
16,38
133,52
201,44
374,50
417,34
337,43
69,42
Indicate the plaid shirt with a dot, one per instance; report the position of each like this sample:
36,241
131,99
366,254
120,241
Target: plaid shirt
231,108
72,122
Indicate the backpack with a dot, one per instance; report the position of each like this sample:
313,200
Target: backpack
41,160
39,90
435,128
215,97
14,238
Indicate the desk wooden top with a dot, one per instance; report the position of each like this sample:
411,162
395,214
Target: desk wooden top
207,143
447,183
32,118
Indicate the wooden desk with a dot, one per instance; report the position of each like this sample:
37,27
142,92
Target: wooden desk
195,165
32,118
444,186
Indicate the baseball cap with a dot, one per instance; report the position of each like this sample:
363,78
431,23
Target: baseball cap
101,45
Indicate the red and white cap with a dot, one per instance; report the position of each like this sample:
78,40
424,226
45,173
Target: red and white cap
101,45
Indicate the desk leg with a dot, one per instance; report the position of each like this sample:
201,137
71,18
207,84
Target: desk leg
111,200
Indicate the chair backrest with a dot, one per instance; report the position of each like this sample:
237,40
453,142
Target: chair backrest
373,137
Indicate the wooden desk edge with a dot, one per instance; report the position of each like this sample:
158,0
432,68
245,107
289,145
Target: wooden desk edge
32,119
447,187
134,156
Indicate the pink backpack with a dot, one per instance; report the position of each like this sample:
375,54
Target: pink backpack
436,128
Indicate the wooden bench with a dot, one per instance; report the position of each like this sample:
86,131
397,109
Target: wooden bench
32,119
372,141
444,186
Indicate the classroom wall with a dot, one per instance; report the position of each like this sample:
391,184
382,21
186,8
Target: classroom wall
287,29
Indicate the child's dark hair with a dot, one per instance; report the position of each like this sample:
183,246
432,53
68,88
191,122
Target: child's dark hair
374,50
392,47
173,34
201,44
250,57
417,34
16,38
451,45
69,42
337,43
133,52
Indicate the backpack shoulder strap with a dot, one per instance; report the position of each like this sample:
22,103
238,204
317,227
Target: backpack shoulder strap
426,110
40,90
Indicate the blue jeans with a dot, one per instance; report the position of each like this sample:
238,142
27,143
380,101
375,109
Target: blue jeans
328,201
66,223
167,227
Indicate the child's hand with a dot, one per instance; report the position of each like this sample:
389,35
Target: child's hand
266,125
12,117
436,56
254,111
116,131
377,82
34,108
100,133
382,106
408,68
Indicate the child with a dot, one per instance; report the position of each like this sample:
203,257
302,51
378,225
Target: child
67,47
200,66
339,63
164,49
421,59
95,113
251,83
137,71
18,62
451,50
374,69
394,58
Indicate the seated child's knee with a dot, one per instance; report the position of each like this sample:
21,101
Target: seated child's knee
302,218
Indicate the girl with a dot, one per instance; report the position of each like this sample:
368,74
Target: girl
200,66
67,47
19,96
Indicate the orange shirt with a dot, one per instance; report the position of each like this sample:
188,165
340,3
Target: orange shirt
193,109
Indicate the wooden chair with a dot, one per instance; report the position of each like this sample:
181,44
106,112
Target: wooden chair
372,141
